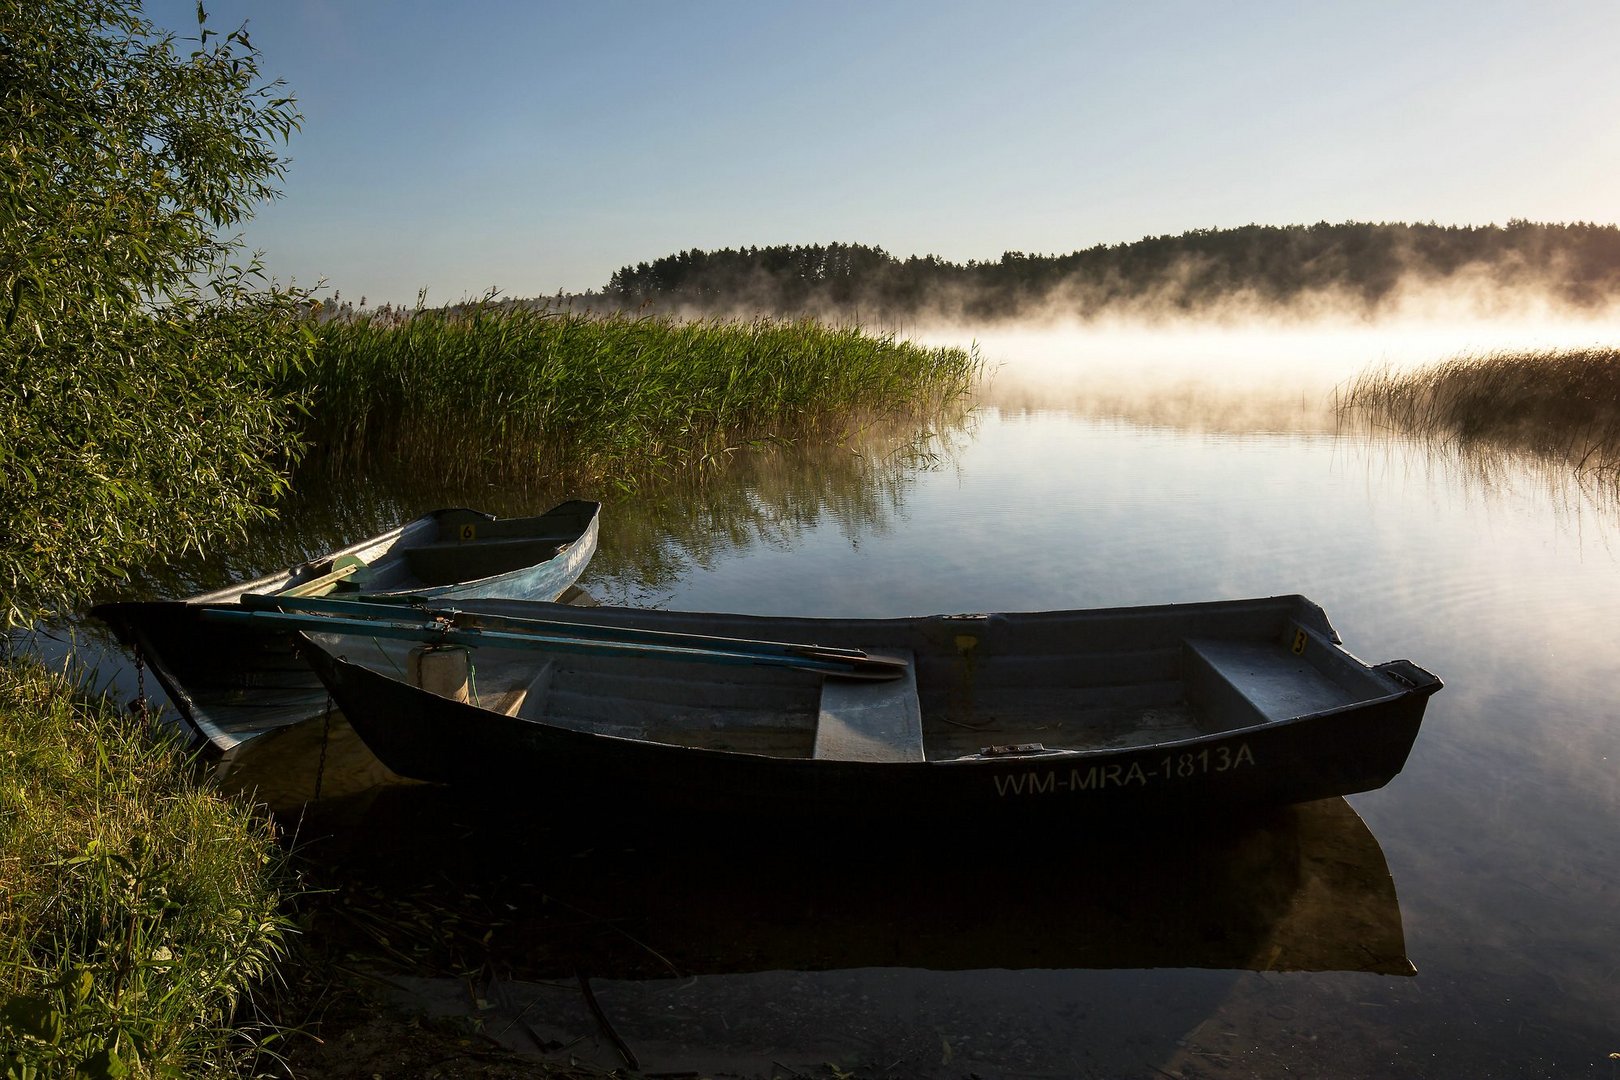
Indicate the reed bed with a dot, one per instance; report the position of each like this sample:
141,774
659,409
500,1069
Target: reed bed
1562,403
136,906
493,393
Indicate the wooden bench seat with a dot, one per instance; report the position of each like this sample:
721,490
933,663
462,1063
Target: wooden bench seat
871,720
1238,683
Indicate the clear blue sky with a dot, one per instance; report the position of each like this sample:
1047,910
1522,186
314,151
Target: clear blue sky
540,146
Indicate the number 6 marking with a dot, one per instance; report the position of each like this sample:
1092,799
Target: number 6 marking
470,532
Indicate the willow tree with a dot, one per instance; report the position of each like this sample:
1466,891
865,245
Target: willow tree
140,357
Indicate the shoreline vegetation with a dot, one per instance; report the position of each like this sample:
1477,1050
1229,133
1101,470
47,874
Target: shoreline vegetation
500,393
139,909
1555,404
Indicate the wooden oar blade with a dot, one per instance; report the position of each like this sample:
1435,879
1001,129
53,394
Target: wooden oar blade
872,669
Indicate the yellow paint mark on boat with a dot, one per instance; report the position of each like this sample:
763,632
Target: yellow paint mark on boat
962,694
1299,642
469,531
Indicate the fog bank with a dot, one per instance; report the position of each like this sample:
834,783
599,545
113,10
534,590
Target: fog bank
1241,369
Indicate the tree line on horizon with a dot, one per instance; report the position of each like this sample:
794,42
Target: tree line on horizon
1361,263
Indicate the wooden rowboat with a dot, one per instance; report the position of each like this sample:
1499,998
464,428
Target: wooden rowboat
445,555
997,717
235,684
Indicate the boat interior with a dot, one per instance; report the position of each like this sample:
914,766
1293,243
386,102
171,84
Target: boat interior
957,697
448,562
454,547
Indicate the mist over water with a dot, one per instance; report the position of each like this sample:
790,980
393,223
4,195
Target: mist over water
1241,368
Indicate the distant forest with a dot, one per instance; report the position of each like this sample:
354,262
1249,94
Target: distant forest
1364,264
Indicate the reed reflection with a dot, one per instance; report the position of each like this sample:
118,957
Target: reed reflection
769,497
763,494
1492,470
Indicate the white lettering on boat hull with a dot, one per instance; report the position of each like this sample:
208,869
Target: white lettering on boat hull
1171,767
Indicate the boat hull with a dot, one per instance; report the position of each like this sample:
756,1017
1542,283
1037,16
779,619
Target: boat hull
425,737
1317,754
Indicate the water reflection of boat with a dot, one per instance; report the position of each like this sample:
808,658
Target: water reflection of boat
997,718
233,684
1301,888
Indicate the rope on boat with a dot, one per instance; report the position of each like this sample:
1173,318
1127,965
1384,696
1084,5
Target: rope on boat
138,706
326,735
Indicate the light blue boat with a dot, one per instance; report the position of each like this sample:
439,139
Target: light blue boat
233,684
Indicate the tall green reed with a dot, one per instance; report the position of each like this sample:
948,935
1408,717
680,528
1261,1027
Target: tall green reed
1559,403
513,393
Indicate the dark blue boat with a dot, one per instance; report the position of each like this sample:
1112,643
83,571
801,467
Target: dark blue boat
1001,718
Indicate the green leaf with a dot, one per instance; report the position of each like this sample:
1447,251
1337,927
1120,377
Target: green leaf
33,1016
18,1069
76,987
104,1064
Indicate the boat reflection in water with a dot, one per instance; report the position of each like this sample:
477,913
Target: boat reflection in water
722,919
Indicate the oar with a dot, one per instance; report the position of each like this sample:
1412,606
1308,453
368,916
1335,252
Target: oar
440,631
364,605
343,567
476,619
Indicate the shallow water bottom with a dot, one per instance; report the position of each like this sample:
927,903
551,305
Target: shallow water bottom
777,953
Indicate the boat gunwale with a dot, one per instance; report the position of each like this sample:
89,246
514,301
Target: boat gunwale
277,580
326,642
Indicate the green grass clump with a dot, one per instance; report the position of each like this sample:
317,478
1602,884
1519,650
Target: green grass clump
136,907
507,393
1556,402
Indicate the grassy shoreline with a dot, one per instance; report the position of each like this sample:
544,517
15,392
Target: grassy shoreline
139,908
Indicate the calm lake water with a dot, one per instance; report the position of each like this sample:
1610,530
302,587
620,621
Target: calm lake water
1101,472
